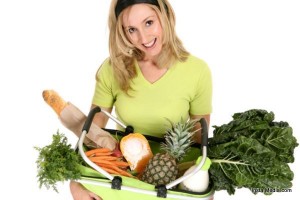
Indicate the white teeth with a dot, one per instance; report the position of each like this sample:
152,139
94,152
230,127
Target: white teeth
150,44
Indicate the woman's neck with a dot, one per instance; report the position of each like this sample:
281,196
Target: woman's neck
151,71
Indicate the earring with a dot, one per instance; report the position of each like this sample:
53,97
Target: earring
130,51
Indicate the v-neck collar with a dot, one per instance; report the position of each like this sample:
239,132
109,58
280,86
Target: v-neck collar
145,81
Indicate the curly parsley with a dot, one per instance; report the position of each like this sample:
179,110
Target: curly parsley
57,162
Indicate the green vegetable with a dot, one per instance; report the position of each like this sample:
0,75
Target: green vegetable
252,151
57,162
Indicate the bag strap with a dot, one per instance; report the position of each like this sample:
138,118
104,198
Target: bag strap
130,129
148,137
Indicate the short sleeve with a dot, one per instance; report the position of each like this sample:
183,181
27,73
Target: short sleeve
201,104
103,94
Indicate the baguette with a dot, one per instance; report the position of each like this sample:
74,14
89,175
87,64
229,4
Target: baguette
73,119
136,150
55,101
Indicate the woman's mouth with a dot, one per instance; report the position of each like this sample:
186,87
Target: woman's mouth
150,44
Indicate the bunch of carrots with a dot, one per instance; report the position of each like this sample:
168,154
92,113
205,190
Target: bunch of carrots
112,164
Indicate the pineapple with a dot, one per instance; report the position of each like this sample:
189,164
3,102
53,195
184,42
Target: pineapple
162,167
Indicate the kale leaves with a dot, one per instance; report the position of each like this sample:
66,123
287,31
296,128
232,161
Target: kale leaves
252,151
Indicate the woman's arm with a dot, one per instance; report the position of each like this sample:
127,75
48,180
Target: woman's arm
100,118
80,193
198,125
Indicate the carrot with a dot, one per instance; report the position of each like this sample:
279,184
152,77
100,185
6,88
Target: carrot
121,163
110,167
109,158
100,154
111,171
103,165
103,162
97,150
111,164
122,172
103,154
118,170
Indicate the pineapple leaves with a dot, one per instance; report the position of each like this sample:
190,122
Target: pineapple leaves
252,151
179,138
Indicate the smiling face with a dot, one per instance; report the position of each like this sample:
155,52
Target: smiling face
143,28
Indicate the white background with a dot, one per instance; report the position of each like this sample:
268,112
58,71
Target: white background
252,47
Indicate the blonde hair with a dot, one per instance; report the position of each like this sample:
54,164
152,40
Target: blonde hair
123,53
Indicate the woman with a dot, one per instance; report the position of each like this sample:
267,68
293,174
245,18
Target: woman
149,75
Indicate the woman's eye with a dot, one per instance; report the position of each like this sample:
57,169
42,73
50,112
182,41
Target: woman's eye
131,30
149,22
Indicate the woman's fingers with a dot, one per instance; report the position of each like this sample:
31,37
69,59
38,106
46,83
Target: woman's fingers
94,196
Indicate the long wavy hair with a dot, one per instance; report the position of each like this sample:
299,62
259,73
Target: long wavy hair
123,54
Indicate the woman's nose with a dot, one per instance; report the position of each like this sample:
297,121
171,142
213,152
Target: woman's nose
143,36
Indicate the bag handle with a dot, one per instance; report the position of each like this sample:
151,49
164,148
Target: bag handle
130,129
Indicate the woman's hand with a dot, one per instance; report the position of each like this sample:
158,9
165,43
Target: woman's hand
198,126
80,193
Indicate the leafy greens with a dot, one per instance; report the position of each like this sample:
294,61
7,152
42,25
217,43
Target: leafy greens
57,162
252,151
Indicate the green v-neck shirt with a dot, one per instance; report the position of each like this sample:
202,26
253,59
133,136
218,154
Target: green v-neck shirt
184,90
